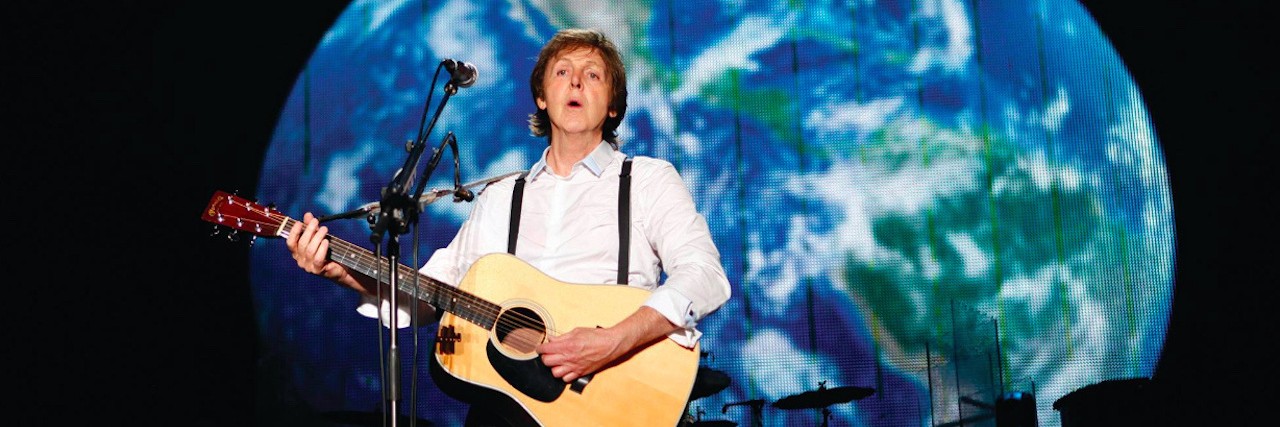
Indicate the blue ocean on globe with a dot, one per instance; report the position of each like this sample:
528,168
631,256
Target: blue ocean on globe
942,201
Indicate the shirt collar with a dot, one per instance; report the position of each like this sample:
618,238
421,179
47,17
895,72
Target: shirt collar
594,162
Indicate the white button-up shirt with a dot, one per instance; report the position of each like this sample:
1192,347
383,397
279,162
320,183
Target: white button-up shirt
569,231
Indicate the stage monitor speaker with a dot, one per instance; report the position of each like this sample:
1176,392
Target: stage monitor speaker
1110,403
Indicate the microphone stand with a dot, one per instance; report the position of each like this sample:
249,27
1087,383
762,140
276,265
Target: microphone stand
397,211
756,413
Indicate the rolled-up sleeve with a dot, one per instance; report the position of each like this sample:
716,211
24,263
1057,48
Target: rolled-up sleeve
696,283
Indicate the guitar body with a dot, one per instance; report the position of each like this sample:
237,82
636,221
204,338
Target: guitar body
649,388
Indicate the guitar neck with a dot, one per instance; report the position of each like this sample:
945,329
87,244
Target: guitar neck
409,281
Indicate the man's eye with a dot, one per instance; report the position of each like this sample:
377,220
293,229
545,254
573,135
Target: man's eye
560,72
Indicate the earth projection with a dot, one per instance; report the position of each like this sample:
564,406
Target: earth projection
942,201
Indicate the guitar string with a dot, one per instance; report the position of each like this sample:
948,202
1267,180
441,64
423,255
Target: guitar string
488,310
519,320
476,304
484,308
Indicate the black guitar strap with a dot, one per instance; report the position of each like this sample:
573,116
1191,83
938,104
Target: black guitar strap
624,218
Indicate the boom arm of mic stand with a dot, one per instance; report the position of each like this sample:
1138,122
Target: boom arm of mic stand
354,213
449,140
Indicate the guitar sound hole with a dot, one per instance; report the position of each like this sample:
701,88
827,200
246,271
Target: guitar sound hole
520,329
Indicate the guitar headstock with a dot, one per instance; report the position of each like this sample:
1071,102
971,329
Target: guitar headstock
240,214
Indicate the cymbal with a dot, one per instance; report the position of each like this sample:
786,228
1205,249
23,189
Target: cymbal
708,382
822,397
372,419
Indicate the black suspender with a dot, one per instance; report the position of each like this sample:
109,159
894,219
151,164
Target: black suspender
624,221
517,197
624,218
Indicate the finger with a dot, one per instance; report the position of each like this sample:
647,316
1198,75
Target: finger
564,372
331,271
306,221
317,237
304,232
291,242
552,360
552,346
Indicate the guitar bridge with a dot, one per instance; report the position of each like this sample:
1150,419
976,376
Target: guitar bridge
447,340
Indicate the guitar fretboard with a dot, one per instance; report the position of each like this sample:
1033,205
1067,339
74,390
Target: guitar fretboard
410,281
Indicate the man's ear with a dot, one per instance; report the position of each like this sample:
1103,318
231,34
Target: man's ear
542,104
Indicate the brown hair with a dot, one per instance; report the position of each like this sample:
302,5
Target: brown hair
570,39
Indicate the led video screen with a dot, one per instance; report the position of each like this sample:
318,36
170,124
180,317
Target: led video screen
940,202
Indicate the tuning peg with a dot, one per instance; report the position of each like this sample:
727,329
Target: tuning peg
216,231
253,239
234,236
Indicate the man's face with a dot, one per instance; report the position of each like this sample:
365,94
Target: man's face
576,92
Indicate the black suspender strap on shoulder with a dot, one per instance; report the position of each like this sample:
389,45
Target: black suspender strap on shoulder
624,218
624,221
517,197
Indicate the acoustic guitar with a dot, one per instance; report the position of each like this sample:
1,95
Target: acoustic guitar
502,309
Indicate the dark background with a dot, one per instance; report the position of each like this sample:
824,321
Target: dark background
124,117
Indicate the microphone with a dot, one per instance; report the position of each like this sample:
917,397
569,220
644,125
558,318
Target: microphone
461,74
462,194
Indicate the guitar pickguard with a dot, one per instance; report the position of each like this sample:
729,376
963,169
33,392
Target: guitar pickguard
518,330
530,377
